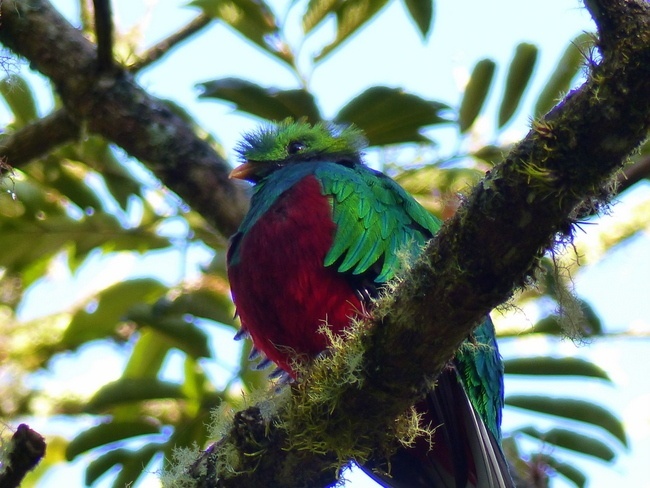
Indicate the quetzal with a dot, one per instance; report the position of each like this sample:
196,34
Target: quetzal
322,235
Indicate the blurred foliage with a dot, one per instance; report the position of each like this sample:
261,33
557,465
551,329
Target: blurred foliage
86,200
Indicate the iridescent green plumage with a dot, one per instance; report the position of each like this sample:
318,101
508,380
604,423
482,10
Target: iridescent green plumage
323,233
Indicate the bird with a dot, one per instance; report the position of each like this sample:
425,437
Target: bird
323,235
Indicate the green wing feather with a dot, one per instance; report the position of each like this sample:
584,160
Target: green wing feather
481,371
376,220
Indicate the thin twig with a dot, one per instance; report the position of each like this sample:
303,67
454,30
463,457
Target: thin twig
157,51
104,33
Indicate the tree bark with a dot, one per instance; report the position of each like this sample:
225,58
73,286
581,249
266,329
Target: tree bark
111,104
346,408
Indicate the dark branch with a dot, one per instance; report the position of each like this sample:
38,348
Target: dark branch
27,448
634,173
104,33
114,106
38,138
156,52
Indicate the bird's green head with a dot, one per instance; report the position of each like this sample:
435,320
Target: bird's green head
274,146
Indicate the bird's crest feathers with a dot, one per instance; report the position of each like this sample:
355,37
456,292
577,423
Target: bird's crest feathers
296,141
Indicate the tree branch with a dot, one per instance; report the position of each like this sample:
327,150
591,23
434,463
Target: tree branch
38,138
26,450
634,173
156,52
114,106
104,34
491,246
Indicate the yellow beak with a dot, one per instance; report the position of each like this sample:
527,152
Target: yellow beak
243,171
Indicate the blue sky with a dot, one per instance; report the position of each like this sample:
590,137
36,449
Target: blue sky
389,52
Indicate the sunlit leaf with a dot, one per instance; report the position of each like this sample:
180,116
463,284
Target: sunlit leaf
132,462
574,441
147,356
437,188
565,71
108,432
180,333
189,431
519,73
476,91
550,366
110,307
571,408
126,390
96,153
252,18
391,116
491,154
267,103
316,11
134,465
204,302
350,16
20,99
421,12
69,178
570,472
103,463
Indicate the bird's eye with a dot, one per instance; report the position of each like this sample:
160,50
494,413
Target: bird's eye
295,147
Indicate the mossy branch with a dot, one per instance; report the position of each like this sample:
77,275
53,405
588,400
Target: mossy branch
111,104
523,207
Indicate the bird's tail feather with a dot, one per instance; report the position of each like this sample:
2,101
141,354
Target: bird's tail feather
464,454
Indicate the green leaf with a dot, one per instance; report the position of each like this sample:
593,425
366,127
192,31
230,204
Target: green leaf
38,202
183,335
108,432
135,465
267,103
421,12
571,408
565,71
147,356
549,325
573,474
103,463
69,179
550,366
569,439
96,153
112,305
189,431
20,99
475,93
519,73
205,302
253,19
316,11
133,461
391,116
491,154
129,390
350,16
